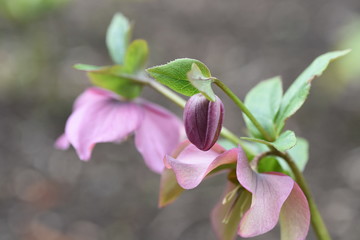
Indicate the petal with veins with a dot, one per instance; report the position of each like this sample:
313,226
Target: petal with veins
192,164
158,135
295,216
101,119
269,194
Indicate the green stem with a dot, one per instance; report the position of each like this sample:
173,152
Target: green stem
316,219
243,108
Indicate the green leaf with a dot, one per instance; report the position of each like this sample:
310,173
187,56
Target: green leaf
174,75
200,82
284,142
121,85
269,164
227,144
136,56
117,37
297,93
263,101
300,153
170,190
87,68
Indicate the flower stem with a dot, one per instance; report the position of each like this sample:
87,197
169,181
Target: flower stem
316,219
243,108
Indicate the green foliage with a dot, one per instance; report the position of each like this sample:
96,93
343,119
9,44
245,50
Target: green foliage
263,101
284,142
297,93
120,84
300,153
270,164
24,10
121,79
87,67
117,37
136,56
175,75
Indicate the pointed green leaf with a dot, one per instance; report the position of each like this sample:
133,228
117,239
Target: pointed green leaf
297,93
111,79
174,75
300,153
284,142
118,37
200,82
263,101
86,67
136,56
170,190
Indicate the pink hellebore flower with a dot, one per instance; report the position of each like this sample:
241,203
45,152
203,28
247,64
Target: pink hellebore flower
102,116
273,195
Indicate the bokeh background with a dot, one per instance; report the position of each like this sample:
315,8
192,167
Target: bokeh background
46,194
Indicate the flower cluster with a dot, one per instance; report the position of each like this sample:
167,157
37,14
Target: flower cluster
260,189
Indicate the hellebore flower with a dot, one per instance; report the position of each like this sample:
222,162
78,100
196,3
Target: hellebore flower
274,196
203,121
102,116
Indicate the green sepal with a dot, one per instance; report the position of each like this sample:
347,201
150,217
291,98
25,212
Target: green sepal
174,75
297,93
117,37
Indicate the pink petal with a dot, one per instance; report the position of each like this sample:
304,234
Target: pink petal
158,134
192,165
62,143
295,216
101,119
269,194
92,95
231,210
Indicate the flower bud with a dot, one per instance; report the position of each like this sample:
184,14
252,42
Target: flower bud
203,121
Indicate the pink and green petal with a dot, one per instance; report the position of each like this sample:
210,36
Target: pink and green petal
295,216
158,135
104,120
269,194
170,190
192,164
226,216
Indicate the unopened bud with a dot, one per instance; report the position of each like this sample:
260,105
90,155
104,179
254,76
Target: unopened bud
203,121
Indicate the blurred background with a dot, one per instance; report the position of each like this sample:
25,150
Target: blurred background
46,194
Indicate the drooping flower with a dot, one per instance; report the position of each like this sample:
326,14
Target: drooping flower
203,121
274,196
253,202
102,116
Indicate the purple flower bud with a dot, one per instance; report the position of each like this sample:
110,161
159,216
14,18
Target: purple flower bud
203,121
